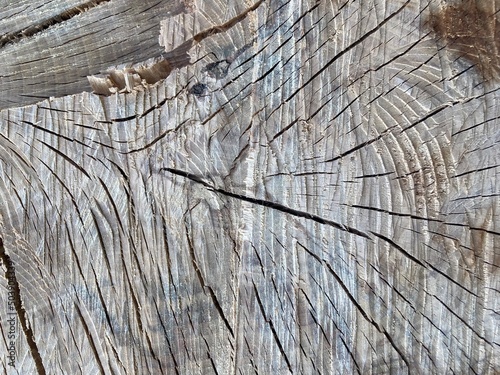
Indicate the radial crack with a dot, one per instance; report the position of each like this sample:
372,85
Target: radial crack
270,204
21,312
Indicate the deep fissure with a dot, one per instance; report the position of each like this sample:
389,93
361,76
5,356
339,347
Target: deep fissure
10,274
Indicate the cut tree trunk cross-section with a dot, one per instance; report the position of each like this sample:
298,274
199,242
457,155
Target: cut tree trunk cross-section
250,187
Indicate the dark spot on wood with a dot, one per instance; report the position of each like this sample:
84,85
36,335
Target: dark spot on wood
217,70
198,89
470,29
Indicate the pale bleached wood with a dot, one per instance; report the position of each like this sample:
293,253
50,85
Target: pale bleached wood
314,191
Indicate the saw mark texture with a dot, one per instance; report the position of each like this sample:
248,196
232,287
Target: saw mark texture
296,187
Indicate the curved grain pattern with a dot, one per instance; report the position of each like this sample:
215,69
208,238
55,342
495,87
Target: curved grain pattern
312,189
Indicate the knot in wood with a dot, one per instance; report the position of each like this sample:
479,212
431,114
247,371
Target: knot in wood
217,70
198,89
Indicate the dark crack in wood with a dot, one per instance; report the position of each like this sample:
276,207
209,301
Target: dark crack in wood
270,204
21,312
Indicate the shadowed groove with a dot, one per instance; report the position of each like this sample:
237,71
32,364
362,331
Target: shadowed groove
10,274
19,35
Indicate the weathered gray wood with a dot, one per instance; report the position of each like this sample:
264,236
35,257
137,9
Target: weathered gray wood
316,191
22,18
69,40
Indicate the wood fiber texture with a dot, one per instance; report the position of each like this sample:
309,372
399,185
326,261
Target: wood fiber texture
313,189
48,48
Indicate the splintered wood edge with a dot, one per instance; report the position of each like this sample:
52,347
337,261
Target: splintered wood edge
177,55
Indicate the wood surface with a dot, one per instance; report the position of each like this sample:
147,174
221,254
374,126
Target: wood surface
301,186
49,47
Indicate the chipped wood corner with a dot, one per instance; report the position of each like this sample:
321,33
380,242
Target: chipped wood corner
178,35
129,79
